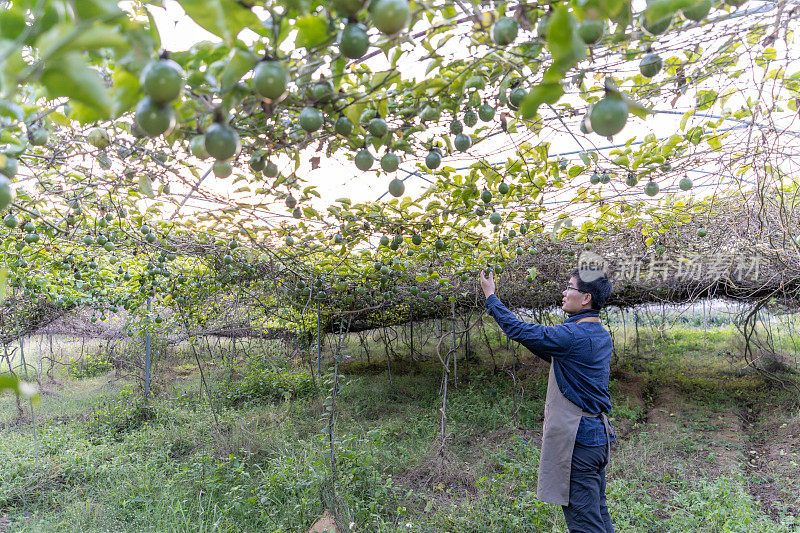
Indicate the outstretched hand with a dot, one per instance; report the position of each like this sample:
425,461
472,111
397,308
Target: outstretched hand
487,284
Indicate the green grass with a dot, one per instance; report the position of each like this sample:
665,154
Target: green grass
101,461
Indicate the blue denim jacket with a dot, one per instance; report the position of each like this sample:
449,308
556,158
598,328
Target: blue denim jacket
580,354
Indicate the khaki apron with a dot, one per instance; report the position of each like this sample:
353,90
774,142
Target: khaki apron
561,420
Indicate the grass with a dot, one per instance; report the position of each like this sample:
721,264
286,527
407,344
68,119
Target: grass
688,417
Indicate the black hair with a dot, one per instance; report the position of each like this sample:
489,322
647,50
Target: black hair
594,282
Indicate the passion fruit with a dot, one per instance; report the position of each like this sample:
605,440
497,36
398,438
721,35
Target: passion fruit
396,188
222,142
222,169
609,115
390,16
470,118
377,127
504,31
98,137
162,80
433,159
486,112
456,127
354,41
698,11
363,160
462,142
310,119
38,136
270,79
652,188
154,119
516,97
658,27
198,147
650,65
390,162
685,184
343,126
321,90
590,31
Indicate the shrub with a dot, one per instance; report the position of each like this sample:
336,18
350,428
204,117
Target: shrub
89,366
264,382
119,415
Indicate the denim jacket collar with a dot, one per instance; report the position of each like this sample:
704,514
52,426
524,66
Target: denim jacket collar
582,314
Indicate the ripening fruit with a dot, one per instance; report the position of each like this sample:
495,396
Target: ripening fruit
433,159
321,90
701,232
396,188
698,11
270,79
363,159
595,179
10,221
504,31
257,162
631,180
222,142
658,27
486,112
590,31
310,119
98,137
377,127
495,218
38,136
470,118
390,162
456,127
153,118
503,188
162,80
222,169
685,184
270,169
650,65
343,126
462,142
354,41
390,16
516,97
609,115
486,196
198,147
652,188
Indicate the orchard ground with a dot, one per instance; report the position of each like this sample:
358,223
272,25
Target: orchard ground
706,442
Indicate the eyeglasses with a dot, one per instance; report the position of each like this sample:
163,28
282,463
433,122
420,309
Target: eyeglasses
569,288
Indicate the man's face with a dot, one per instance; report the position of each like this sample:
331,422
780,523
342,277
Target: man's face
573,299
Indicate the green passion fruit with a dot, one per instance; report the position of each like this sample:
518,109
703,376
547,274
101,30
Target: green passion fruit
363,160
377,127
516,97
685,184
162,80
486,112
396,187
698,11
222,169
433,159
390,162
270,79
198,147
310,119
462,142
390,16
650,65
658,27
153,118
504,31
609,115
354,41
343,126
590,31
652,188
6,192
221,141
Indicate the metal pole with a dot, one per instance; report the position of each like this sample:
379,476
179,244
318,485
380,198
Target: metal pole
147,357
319,343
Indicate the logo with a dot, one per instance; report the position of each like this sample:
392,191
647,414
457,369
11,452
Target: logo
591,266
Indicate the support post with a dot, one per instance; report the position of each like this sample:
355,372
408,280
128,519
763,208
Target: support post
455,355
147,357
319,342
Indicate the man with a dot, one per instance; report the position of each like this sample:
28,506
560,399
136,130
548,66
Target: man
577,435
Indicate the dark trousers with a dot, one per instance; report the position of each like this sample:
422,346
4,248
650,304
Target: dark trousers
587,511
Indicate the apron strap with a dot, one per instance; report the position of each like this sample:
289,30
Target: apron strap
588,319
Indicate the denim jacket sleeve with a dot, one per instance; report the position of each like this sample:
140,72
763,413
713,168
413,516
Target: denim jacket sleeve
543,341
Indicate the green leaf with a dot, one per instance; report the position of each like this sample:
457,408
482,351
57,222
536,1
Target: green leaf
145,185
72,77
223,18
660,9
544,93
312,31
240,61
126,91
563,41
66,37
3,283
